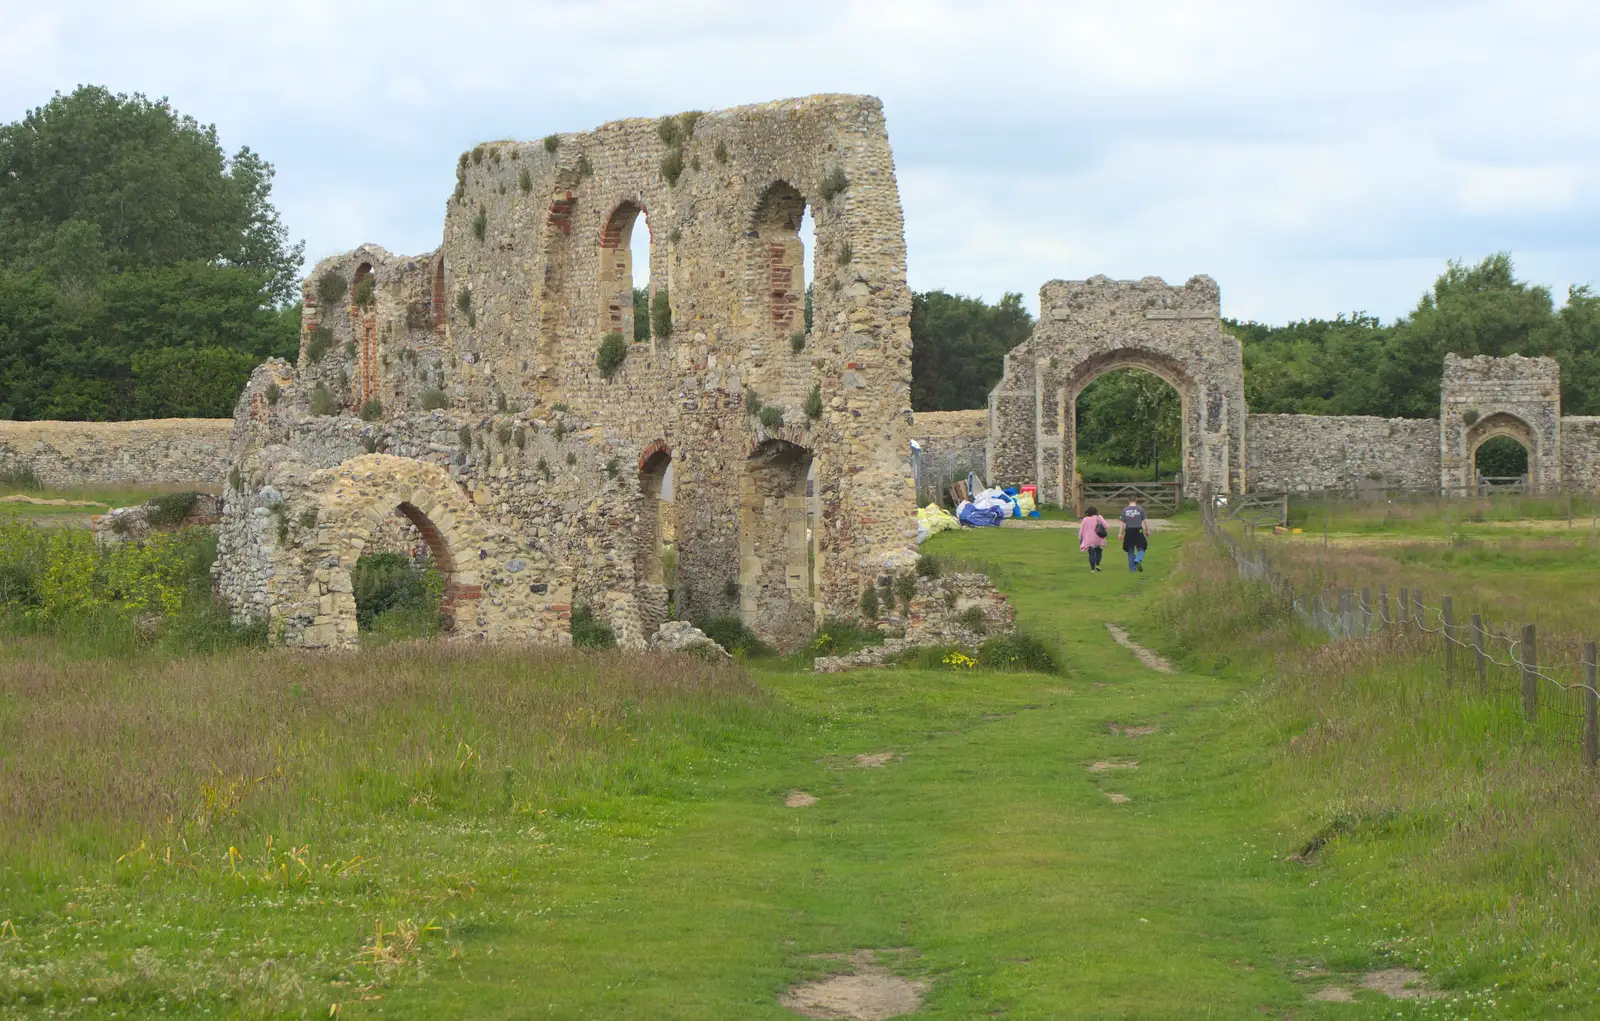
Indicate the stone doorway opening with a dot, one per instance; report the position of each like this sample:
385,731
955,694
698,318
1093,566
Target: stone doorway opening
1141,406
656,563
1503,452
776,558
1128,427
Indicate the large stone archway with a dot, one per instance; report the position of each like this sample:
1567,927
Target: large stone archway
494,589
1090,327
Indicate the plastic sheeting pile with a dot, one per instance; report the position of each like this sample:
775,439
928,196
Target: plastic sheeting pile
932,519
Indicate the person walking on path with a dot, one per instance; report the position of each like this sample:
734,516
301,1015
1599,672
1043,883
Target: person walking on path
1092,536
1134,542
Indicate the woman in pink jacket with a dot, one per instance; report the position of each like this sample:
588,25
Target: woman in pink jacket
1092,536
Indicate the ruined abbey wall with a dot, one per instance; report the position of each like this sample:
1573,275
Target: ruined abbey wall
177,451
499,332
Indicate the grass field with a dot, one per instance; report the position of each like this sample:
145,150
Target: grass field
426,831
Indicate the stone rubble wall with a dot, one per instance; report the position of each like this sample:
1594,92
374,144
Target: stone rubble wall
166,451
1313,453
1580,453
953,443
936,619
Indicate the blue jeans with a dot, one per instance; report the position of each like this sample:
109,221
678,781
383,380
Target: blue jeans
1135,558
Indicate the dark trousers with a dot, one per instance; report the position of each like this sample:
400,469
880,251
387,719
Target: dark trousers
1095,553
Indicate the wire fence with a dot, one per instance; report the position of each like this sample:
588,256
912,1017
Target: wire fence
1553,674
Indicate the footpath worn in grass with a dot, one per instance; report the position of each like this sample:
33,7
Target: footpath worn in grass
425,833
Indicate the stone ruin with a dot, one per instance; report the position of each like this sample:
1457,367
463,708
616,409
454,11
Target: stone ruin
459,405
1090,327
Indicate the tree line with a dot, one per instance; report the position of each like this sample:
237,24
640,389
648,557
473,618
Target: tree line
143,271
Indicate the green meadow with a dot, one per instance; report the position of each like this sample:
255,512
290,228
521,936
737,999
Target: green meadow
434,830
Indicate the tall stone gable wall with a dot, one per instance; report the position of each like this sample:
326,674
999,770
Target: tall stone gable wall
176,451
500,328
1321,452
1090,327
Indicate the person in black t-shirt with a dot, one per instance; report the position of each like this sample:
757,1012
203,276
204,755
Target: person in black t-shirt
1134,542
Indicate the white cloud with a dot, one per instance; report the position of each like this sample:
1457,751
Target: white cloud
1314,157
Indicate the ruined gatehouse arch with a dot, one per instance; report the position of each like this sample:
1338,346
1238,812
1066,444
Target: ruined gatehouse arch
1090,327
777,543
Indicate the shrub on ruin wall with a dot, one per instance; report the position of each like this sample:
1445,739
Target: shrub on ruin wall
672,166
721,151
433,399
170,509
480,222
813,405
372,410
869,602
366,291
464,304
661,314
589,632
552,143
331,286
613,352
797,341
525,180
771,417
317,342
834,183
322,402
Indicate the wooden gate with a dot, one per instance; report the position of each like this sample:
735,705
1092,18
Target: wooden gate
1108,497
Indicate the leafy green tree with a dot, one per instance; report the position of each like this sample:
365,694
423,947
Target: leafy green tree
959,346
143,273
130,183
1131,418
641,314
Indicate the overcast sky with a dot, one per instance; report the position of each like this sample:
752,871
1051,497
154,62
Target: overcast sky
1314,158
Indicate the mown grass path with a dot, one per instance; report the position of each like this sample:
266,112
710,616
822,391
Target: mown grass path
986,846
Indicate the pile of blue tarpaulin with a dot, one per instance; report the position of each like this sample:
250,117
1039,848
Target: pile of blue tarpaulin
987,509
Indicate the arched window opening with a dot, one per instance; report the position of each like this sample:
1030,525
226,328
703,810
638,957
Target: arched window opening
625,283
778,220
1129,427
402,580
658,525
775,544
1501,461
808,247
362,285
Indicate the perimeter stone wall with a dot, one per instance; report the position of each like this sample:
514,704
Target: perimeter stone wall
1320,452
177,451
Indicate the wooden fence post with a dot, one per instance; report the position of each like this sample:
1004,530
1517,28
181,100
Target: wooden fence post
1417,613
1403,611
1591,709
1530,673
1449,615
1383,606
1347,611
1366,609
1478,655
